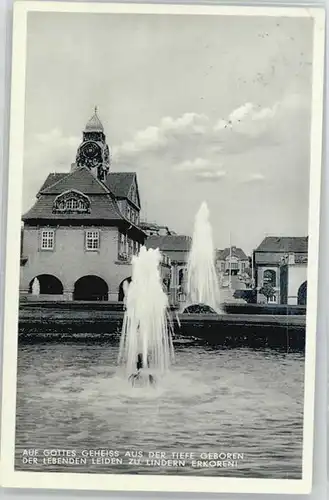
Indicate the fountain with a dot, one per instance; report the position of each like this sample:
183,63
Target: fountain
146,332
202,280
35,288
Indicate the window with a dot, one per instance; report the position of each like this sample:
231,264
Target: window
131,247
234,265
269,277
92,240
47,239
122,244
71,202
243,266
125,248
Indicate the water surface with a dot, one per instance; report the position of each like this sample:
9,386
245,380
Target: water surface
71,397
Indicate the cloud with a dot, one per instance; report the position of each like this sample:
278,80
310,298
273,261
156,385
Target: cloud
192,165
157,137
244,119
240,113
46,152
255,177
192,144
185,139
209,175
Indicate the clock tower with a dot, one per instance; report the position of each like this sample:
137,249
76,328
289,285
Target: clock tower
94,152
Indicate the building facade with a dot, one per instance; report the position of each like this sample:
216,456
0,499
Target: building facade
176,248
280,265
231,260
81,233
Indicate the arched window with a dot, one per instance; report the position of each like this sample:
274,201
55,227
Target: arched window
181,276
302,294
269,277
71,202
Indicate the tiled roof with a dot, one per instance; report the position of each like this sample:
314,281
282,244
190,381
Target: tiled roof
80,179
236,252
169,243
120,183
102,207
153,226
298,244
51,179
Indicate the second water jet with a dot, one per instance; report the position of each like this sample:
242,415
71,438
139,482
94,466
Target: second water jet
202,280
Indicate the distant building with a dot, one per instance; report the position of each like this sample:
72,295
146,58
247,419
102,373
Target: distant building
153,229
177,248
281,263
231,259
79,236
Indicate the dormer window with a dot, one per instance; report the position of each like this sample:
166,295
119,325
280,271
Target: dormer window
71,202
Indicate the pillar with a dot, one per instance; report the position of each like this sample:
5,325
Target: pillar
68,294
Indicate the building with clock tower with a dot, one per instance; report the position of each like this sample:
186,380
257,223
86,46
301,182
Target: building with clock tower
94,152
83,229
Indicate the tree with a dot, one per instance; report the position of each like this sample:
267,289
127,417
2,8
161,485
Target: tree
268,291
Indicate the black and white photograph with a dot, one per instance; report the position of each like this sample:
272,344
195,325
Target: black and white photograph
162,247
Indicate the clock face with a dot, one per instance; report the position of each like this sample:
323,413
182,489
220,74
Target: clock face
90,150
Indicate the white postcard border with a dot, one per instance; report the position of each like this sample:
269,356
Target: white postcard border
123,482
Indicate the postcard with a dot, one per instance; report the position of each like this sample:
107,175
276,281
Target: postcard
162,247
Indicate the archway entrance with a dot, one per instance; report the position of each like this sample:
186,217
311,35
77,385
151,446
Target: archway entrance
302,294
49,285
90,288
121,294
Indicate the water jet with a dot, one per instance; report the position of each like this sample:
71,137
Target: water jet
146,338
35,288
202,281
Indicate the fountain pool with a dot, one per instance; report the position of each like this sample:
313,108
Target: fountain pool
212,400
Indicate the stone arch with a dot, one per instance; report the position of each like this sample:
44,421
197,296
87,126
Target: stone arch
49,284
90,287
302,294
121,294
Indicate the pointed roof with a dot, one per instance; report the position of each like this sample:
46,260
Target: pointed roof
81,179
120,183
170,242
94,124
51,179
102,202
235,252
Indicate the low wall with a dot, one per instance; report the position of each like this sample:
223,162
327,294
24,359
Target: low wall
264,309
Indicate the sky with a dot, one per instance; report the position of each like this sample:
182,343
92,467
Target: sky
203,108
